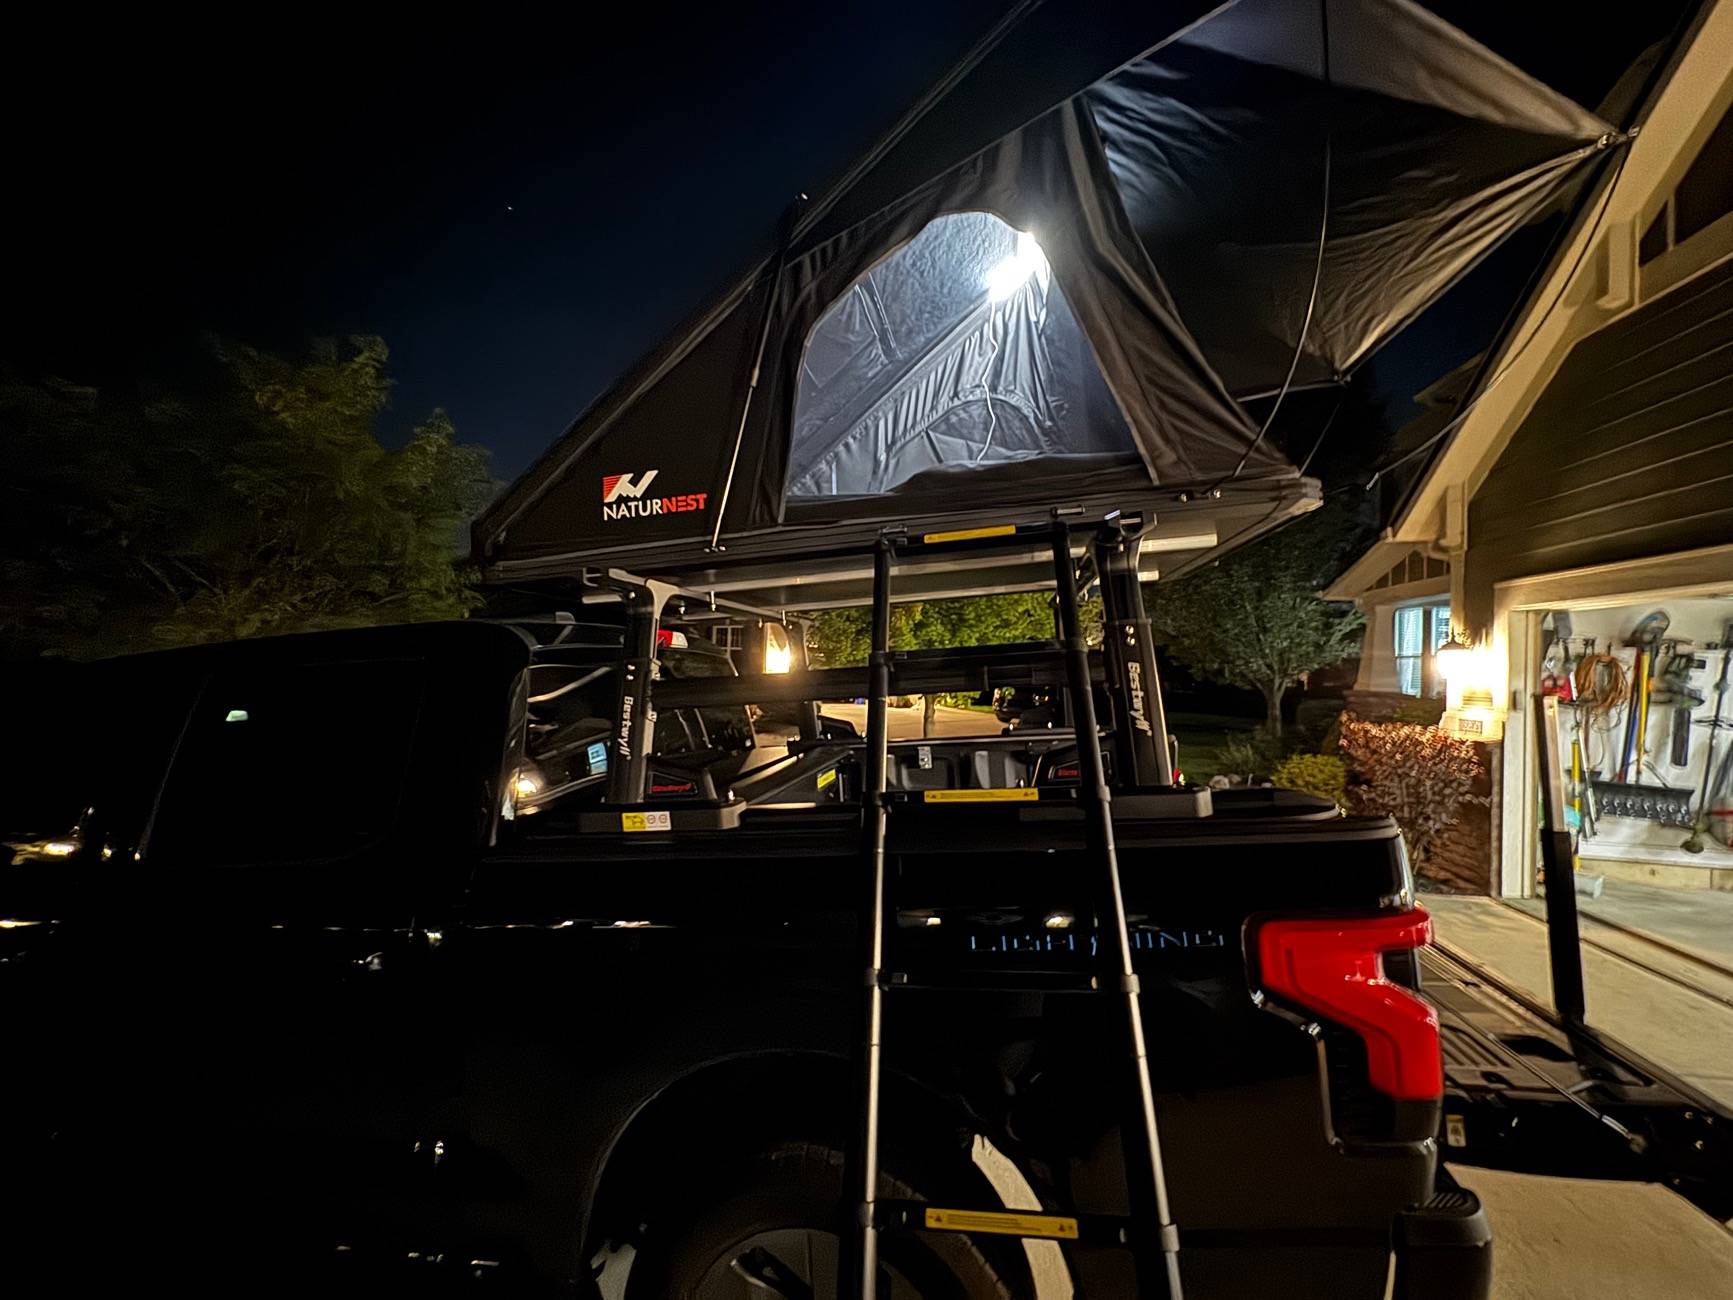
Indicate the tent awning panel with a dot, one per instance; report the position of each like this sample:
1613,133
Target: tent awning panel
1438,149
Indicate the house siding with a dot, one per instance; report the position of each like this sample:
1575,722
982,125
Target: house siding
1628,453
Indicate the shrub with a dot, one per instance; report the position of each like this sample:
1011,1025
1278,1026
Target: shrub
1316,722
1324,775
1422,712
1243,757
960,699
1418,775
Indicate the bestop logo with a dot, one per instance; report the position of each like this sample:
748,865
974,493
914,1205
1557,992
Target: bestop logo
623,497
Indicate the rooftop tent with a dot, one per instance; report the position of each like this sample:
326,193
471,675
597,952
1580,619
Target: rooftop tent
975,323
1438,149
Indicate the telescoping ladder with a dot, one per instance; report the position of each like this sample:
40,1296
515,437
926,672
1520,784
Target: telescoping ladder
1149,1232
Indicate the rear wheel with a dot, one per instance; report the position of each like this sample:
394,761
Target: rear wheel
768,1227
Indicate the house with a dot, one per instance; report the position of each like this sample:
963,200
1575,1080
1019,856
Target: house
1584,485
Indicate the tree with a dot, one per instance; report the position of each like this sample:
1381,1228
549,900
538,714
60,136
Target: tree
261,502
841,638
89,492
1255,620
333,529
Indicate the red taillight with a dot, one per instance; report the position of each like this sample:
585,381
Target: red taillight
1336,968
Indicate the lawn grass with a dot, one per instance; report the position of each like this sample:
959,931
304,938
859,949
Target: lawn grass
1201,736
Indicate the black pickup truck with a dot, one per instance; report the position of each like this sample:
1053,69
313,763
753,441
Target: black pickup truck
312,971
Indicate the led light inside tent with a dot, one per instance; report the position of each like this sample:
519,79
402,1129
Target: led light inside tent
1011,274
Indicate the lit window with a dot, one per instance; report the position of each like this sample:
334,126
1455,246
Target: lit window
1420,630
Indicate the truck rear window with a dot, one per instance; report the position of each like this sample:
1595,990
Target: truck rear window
49,775
87,744
299,764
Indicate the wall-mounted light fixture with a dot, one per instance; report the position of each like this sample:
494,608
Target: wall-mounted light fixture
1468,673
1452,658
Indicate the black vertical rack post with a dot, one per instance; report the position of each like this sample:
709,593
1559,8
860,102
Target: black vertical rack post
1142,757
629,777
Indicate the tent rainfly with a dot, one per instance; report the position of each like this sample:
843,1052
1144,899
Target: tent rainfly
1054,283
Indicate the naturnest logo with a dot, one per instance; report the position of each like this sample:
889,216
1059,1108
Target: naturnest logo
623,497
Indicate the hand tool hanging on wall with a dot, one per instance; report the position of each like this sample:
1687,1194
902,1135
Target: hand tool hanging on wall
1673,686
1631,754
1629,796
1645,637
1694,843
1555,660
1600,689
1580,793
1720,802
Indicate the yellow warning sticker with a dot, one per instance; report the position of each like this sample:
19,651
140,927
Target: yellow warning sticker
827,778
1021,794
1005,1224
645,821
970,534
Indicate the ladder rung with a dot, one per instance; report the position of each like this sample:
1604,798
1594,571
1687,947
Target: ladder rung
1086,1229
975,798
981,538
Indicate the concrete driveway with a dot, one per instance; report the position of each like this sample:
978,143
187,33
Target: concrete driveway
1572,1239
1671,1009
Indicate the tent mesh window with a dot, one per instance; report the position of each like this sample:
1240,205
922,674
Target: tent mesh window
956,351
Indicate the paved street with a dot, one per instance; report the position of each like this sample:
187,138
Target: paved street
906,723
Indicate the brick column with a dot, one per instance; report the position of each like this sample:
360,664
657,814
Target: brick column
1464,860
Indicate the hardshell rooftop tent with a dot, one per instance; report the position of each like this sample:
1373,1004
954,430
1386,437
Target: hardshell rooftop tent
1051,286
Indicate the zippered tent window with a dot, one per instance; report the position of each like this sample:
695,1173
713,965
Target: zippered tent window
956,351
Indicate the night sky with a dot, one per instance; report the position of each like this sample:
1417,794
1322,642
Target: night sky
521,208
